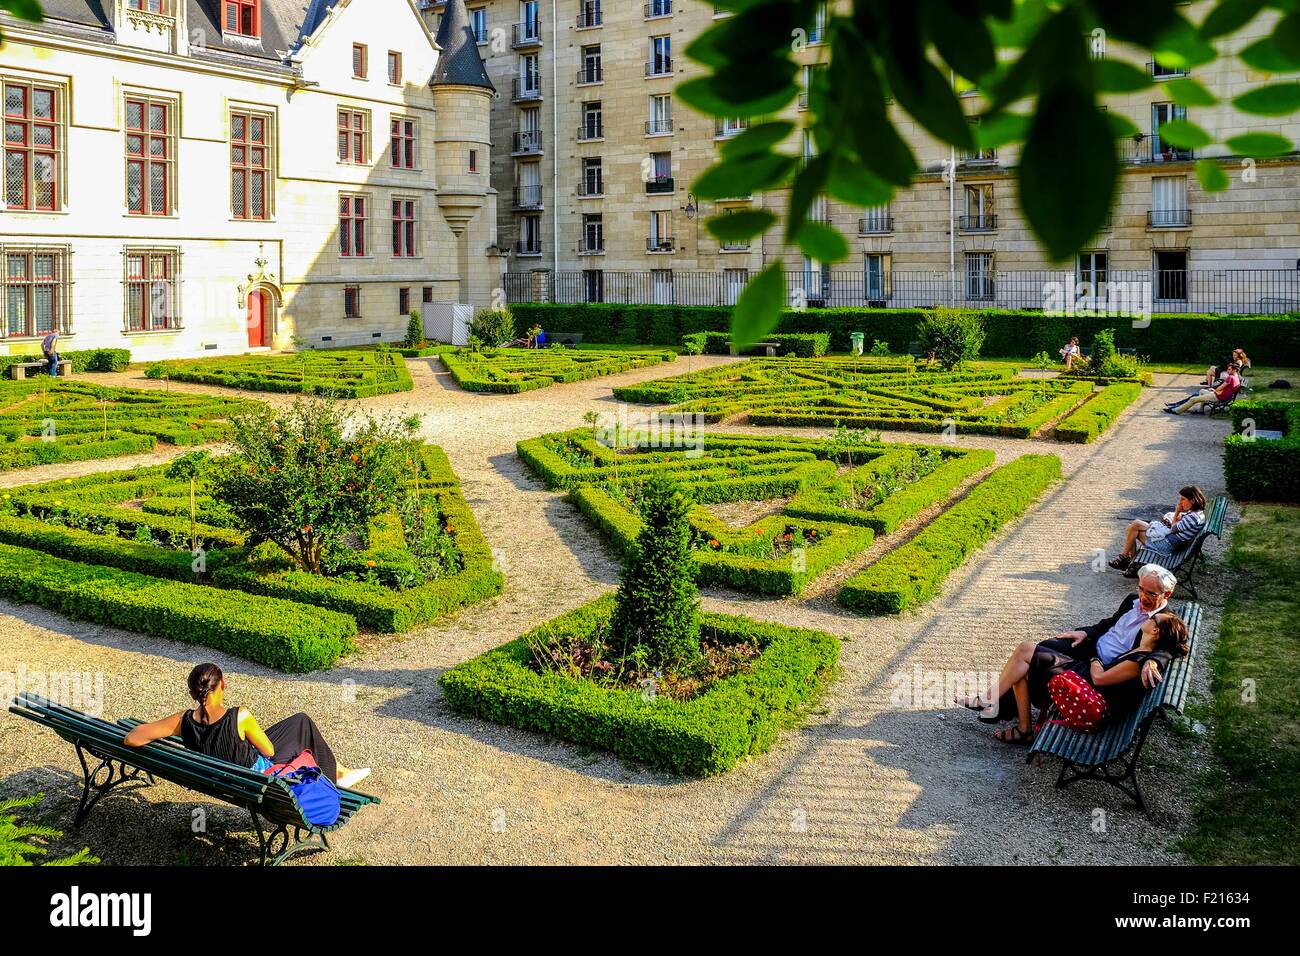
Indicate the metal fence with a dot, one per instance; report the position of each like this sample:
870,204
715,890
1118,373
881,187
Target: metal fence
1235,291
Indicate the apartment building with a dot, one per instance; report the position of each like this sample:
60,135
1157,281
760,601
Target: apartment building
594,161
189,177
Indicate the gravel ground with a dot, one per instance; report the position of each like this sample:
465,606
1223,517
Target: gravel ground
862,781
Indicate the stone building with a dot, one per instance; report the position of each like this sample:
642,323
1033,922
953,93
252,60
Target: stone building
190,177
594,162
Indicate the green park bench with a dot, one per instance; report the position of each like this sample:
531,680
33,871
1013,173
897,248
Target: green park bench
1187,556
268,799
1089,755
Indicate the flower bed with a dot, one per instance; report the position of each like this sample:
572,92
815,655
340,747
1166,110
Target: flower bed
779,554
43,421
865,393
708,734
510,371
337,373
138,522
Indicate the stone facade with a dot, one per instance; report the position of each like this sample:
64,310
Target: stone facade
212,281
1253,225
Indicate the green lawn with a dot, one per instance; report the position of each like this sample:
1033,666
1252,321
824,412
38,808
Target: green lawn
1250,811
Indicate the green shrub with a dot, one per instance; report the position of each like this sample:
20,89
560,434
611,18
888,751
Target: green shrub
952,336
709,734
911,574
511,371
414,330
1093,417
18,840
1257,469
493,326
281,634
83,360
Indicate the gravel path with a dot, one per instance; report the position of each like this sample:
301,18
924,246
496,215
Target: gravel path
863,781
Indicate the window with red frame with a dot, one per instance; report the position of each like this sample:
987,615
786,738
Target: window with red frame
33,146
359,60
160,7
352,225
150,156
151,290
250,166
352,302
403,301
402,150
394,67
473,160
243,17
353,136
403,227
35,291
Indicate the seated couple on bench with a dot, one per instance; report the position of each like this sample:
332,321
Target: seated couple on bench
1121,656
1164,535
1220,394
234,735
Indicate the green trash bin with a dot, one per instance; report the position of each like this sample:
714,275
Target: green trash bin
857,338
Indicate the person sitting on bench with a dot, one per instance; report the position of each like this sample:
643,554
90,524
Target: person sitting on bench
1070,352
1225,392
1216,373
1164,535
1125,648
233,734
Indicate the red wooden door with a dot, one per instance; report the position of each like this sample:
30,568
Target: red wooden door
256,320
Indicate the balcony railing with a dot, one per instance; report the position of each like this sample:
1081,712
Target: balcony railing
1161,72
724,129
527,141
588,131
659,66
875,225
588,17
528,197
592,73
660,244
1169,218
658,8
528,33
591,187
587,247
526,88
528,247
659,185
734,245
803,100
983,157
658,126
1149,149
980,223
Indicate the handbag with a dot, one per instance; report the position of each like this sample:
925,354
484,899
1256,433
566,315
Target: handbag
315,793
1077,701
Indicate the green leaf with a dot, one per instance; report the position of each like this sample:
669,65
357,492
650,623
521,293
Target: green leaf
927,95
1139,22
1068,171
1286,37
741,225
1210,173
1189,93
1263,55
822,242
1121,127
1000,129
700,94
1181,45
1183,134
24,9
744,176
758,309
851,182
757,139
1276,100
1116,76
1260,144
1229,17
883,149
810,181
960,36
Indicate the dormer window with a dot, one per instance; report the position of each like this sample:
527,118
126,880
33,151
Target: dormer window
241,16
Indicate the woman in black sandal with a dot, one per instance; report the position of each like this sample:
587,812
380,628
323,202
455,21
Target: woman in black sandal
233,734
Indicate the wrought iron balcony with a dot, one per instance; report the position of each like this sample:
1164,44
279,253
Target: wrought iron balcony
659,185
1169,218
527,141
875,225
980,223
528,197
660,244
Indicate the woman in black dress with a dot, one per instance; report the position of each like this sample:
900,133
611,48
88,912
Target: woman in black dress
1023,683
233,733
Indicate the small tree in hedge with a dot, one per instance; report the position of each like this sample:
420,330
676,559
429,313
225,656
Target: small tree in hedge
188,467
414,331
657,615
304,478
953,336
493,326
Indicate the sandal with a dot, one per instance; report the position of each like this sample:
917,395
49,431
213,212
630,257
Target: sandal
1014,735
1120,562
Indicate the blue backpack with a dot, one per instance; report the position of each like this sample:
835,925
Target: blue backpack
316,795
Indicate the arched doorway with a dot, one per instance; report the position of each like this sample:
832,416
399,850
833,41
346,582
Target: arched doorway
259,318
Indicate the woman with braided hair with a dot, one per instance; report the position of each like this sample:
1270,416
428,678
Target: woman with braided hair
233,733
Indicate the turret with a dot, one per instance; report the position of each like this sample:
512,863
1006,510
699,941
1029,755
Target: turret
462,95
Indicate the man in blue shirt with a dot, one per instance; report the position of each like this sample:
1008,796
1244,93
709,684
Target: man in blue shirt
49,345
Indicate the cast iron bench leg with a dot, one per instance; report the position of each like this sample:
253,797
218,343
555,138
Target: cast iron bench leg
281,844
1072,772
115,773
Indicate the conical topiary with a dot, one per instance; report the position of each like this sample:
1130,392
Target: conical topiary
658,605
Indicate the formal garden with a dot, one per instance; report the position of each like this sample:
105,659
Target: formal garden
510,371
336,373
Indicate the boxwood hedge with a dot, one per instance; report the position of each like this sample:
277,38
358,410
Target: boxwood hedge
510,371
708,734
1093,417
912,573
339,373
1262,469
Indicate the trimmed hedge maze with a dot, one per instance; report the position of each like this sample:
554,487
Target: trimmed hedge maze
44,421
336,373
866,394
707,734
115,548
832,513
510,371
